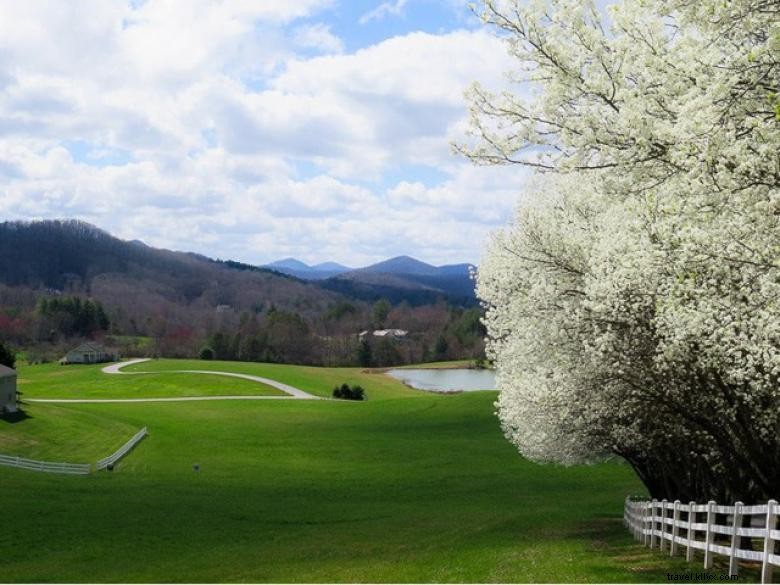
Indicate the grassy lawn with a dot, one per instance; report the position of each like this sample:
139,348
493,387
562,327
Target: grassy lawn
419,488
317,381
87,381
52,432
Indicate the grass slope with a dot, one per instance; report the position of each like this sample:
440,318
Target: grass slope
52,432
87,381
406,490
317,381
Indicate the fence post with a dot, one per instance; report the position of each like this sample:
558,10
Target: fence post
663,525
769,542
735,526
710,535
645,521
652,523
675,528
691,532
637,522
627,515
639,518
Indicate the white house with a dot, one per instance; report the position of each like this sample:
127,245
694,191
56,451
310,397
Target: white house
7,390
394,333
88,353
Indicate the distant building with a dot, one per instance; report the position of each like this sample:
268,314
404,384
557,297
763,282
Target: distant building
223,308
394,333
389,333
7,390
88,353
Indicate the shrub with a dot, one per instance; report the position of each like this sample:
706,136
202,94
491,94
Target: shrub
345,392
206,353
7,356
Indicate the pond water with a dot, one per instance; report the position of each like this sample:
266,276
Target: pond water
447,380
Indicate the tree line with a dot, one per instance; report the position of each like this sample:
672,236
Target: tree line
47,325
72,316
286,337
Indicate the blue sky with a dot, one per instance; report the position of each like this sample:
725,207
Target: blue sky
252,130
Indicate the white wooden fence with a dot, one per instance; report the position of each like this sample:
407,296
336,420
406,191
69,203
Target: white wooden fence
122,451
661,524
46,466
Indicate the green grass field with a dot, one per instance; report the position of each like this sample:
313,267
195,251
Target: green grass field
405,487
87,381
317,381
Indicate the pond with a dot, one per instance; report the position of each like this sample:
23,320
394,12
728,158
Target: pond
446,380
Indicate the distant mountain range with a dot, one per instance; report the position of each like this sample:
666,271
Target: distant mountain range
397,279
303,271
72,255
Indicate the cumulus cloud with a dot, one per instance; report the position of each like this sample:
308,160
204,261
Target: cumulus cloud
243,130
318,36
399,98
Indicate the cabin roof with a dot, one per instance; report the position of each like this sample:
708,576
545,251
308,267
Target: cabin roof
89,346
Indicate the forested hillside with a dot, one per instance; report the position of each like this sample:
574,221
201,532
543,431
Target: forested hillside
65,280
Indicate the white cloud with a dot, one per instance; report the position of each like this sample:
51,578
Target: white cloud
318,36
418,68
399,100
200,126
458,197
384,9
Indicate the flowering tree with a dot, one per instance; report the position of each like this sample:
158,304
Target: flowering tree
632,305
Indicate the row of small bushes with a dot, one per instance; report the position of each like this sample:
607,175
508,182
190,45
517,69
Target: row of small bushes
345,392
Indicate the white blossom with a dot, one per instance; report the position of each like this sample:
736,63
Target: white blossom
632,307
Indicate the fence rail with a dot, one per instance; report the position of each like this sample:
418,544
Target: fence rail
694,526
122,451
46,466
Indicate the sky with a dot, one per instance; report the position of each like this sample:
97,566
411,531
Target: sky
253,130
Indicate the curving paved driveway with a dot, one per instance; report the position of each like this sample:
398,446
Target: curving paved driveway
292,392
116,368
179,399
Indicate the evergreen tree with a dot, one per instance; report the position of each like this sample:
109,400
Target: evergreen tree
7,355
364,353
